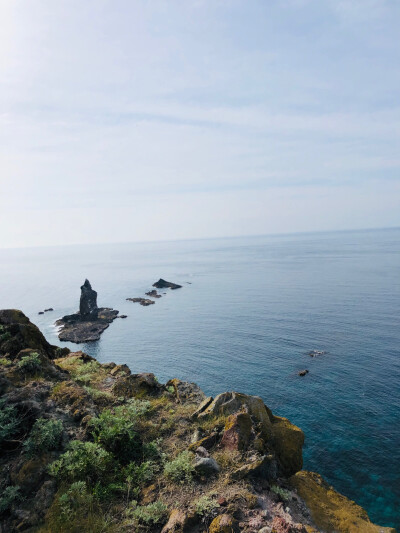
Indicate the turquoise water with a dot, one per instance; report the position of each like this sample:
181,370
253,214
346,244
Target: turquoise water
248,313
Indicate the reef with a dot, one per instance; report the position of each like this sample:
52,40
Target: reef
89,322
96,448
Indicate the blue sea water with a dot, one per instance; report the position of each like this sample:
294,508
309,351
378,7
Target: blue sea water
249,312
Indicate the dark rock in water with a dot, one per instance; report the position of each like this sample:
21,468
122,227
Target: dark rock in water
142,301
153,294
89,322
88,303
162,284
49,309
122,316
316,353
41,313
302,372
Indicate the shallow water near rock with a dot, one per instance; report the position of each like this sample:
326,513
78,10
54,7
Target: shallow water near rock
249,313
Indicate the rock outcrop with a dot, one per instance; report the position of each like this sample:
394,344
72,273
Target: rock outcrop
89,322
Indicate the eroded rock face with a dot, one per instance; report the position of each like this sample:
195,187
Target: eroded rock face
88,302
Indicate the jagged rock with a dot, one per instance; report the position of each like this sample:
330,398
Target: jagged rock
229,403
238,432
224,523
206,466
186,391
264,467
142,301
162,284
203,406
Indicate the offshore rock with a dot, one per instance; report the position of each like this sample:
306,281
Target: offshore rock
162,284
142,301
89,322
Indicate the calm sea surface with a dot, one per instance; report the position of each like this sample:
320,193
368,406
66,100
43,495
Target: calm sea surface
249,311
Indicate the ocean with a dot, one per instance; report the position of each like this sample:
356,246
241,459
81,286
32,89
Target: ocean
249,312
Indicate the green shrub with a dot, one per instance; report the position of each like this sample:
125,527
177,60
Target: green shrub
98,394
9,422
77,499
205,505
9,496
115,430
45,435
84,371
282,493
180,469
147,515
83,461
5,336
30,364
4,361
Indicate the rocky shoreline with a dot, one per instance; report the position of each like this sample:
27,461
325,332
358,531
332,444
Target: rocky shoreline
94,447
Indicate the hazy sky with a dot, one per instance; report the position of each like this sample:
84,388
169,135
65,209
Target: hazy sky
128,120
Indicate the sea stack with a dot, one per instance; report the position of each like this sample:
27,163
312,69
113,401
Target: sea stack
88,302
89,322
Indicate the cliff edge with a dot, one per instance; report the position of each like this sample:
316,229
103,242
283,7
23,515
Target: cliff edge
93,447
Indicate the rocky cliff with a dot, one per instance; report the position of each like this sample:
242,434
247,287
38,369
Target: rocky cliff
91,447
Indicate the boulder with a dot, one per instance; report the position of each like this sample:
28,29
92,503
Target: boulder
224,523
179,522
206,466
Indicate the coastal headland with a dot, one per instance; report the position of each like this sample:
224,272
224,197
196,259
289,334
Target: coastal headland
94,447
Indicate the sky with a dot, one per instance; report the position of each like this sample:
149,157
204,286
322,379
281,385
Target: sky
129,120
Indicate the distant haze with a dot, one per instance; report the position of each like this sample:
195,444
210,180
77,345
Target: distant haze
126,120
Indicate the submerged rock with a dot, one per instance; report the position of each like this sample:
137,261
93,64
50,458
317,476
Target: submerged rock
163,284
89,322
316,353
302,372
